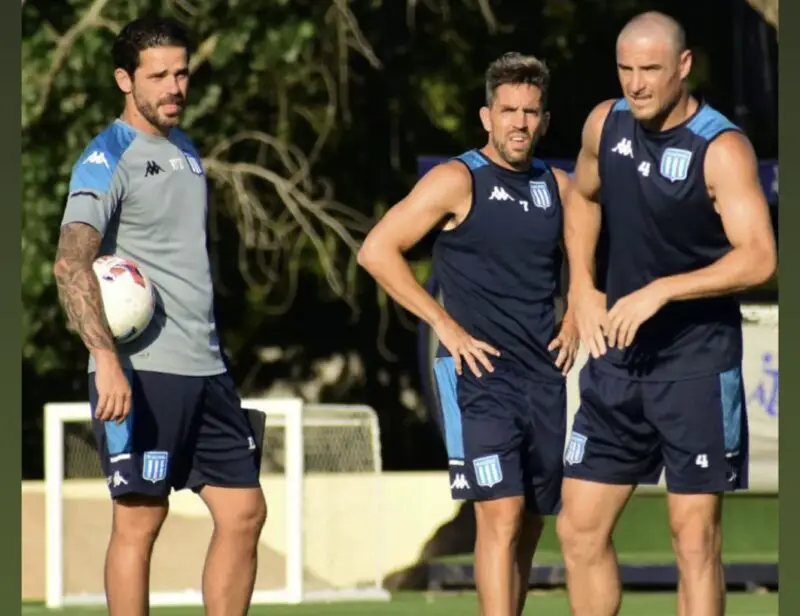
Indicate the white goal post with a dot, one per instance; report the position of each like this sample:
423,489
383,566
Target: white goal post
307,434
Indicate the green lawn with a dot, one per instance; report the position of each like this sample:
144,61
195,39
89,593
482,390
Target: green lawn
750,524
749,521
418,604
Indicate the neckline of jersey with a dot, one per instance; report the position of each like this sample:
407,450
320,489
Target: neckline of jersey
511,172
140,133
700,105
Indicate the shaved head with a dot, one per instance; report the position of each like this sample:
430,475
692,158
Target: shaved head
653,64
656,26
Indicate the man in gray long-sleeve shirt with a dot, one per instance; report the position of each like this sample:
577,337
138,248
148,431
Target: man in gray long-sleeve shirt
165,411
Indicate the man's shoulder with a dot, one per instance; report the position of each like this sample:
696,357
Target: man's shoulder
180,139
708,124
101,158
107,148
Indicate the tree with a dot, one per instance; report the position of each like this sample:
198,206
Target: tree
311,115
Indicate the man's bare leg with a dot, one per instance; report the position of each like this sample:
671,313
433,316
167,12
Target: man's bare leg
499,526
532,525
137,520
695,520
683,605
588,516
230,570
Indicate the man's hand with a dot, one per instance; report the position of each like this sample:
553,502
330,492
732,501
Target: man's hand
591,318
113,389
464,347
627,315
567,342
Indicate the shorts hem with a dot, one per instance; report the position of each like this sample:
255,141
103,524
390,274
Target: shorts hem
702,491
613,481
141,493
216,484
481,499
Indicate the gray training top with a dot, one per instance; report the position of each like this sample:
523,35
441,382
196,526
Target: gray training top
147,195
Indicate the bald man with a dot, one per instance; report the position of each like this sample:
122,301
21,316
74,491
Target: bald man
676,186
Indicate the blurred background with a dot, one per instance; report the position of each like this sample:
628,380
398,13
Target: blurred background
315,117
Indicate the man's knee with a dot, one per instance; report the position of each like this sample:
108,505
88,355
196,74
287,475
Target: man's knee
137,519
240,511
582,538
500,520
587,518
695,523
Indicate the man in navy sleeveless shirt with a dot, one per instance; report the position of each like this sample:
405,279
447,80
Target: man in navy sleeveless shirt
502,359
687,227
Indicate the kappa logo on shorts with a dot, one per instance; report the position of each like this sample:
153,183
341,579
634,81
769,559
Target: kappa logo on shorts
154,466
675,164
459,483
576,447
488,471
540,194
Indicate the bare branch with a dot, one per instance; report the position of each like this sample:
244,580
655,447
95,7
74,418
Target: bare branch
284,215
442,8
357,39
204,51
91,19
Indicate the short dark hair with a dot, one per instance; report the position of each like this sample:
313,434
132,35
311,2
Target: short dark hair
144,33
515,68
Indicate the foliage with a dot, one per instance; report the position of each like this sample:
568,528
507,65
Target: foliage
310,114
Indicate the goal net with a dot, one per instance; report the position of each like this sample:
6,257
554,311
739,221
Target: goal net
320,471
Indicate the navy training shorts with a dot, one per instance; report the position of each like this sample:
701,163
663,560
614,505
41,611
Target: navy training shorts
695,430
182,432
504,434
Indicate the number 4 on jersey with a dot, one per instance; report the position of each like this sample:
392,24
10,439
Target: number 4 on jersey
644,169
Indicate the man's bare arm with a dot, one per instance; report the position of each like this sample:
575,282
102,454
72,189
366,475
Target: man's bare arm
582,216
436,196
731,173
445,191
78,288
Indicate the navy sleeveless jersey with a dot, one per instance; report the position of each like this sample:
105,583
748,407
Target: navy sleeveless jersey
660,221
499,270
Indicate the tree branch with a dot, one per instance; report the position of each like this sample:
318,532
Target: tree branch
91,19
303,221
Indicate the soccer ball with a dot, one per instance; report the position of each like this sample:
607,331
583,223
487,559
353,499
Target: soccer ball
129,299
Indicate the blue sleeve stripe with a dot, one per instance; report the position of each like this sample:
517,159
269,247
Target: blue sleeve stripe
620,105
93,173
708,123
95,169
183,142
472,159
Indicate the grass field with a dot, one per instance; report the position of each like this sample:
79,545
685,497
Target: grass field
642,536
419,604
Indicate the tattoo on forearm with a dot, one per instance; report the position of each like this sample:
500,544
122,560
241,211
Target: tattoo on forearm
78,289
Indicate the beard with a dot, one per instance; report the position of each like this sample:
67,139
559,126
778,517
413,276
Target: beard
152,114
520,158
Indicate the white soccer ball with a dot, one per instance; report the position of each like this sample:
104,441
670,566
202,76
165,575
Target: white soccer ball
129,299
